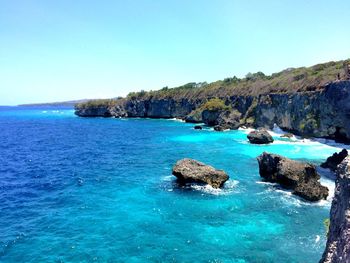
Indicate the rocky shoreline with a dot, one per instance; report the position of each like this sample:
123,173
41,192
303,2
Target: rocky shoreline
322,113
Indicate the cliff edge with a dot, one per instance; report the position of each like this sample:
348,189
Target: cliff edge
338,243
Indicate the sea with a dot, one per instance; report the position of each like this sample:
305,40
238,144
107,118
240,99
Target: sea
101,190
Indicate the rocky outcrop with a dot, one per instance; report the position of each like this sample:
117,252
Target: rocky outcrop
96,111
194,116
338,243
260,136
317,112
189,171
333,161
210,117
301,178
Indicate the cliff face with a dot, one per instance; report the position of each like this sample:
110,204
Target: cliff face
338,243
321,113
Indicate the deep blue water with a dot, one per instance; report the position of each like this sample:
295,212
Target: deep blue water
100,190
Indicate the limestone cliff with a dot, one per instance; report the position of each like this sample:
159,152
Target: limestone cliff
338,243
323,112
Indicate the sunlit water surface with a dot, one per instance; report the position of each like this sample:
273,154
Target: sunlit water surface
95,190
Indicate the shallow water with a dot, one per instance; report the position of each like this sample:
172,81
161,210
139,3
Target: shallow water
95,190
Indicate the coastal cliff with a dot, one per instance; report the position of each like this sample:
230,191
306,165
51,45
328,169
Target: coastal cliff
309,106
338,243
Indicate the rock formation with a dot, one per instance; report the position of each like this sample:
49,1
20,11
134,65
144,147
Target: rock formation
97,111
301,178
260,136
318,112
333,161
189,171
198,127
338,243
194,116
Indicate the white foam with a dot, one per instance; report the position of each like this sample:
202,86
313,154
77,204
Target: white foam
317,239
246,130
288,197
175,119
229,188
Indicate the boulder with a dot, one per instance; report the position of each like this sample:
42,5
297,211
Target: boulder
338,243
260,136
189,171
301,178
333,161
198,127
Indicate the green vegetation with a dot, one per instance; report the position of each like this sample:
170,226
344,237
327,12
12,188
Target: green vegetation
96,103
290,80
215,104
327,223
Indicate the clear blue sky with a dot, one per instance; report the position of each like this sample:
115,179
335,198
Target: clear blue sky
63,50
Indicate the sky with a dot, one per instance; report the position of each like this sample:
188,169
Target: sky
66,50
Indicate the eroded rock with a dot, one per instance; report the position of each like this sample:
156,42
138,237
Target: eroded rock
333,161
301,178
260,136
189,171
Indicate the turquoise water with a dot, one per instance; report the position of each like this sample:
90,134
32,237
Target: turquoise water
101,190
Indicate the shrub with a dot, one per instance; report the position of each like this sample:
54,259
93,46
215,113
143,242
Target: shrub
215,104
327,223
96,103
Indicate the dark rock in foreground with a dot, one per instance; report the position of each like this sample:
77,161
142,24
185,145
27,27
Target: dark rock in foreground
333,161
260,136
301,178
189,170
338,243
198,127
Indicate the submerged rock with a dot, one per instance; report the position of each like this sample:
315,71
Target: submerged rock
287,135
260,136
333,161
301,178
198,127
189,170
338,243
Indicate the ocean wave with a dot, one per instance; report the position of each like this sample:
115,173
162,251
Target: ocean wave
175,119
277,132
229,187
289,198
